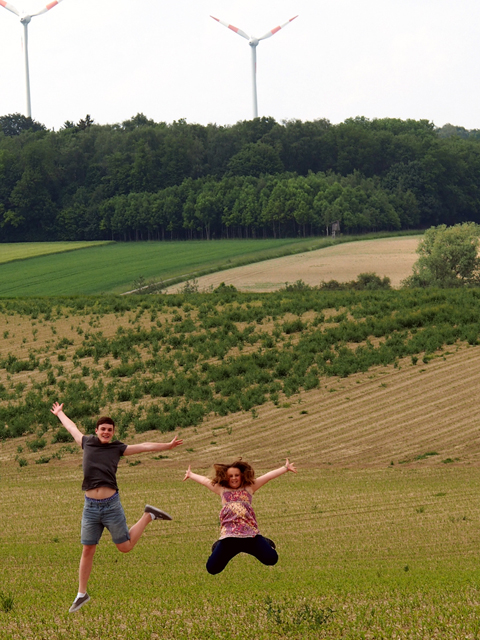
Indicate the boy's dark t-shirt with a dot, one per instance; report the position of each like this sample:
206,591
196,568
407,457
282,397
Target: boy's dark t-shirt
100,462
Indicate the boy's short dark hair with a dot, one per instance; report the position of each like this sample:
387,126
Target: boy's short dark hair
105,420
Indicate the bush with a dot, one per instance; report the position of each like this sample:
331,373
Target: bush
61,435
448,257
35,445
365,282
299,285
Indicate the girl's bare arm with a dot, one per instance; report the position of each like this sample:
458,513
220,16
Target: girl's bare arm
259,482
216,488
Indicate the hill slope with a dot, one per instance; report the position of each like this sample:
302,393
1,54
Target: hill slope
411,415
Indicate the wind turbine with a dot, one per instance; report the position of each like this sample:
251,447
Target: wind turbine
25,19
253,42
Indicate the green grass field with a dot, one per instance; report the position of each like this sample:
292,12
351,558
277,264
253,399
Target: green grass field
113,268
385,553
51,269
26,250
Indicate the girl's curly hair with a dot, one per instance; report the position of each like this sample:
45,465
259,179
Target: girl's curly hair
248,474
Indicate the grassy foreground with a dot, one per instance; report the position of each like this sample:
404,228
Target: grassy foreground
385,553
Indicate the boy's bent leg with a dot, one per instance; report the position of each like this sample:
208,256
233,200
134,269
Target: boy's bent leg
85,569
134,533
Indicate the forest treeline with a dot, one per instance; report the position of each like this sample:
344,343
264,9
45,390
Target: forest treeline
142,180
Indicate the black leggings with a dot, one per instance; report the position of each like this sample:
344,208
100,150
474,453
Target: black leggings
228,548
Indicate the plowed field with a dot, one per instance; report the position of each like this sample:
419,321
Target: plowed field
392,257
410,415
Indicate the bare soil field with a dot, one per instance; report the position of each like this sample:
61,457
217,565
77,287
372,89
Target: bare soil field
392,257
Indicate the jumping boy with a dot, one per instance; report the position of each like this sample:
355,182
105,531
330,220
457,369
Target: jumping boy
102,508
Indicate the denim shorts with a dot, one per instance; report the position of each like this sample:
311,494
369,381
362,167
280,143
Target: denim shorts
98,514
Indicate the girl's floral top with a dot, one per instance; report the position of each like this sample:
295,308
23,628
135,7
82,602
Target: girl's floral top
237,518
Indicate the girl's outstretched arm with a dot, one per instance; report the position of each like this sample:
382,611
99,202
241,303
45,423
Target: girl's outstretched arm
259,482
216,488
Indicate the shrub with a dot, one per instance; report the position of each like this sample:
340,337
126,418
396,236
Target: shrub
61,435
365,282
35,445
299,285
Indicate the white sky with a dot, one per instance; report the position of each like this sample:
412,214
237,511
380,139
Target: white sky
169,60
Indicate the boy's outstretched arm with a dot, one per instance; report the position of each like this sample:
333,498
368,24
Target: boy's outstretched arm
216,488
70,426
152,446
259,482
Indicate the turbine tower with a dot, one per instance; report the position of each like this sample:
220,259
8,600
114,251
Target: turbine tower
253,42
25,19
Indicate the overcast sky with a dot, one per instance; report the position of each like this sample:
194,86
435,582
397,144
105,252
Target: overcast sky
169,60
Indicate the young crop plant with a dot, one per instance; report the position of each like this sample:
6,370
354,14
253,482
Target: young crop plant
7,601
292,616
35,445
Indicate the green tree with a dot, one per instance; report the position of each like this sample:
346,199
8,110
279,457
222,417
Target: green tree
255,159
247,208
85,123
15,123
208,207
448,257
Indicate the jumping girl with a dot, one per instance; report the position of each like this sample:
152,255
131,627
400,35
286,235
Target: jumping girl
236,484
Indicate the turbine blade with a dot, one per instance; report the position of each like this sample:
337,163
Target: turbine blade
10,7
49,6
274,31
230,26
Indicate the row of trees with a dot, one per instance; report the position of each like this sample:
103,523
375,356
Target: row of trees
142,179
246,206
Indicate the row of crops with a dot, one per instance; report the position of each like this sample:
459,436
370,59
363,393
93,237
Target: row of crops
164,362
